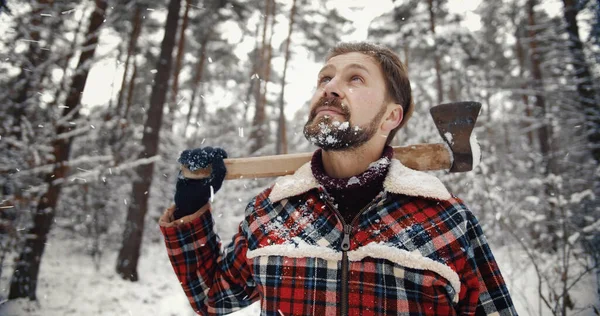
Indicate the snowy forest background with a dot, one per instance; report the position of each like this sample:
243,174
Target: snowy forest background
98,98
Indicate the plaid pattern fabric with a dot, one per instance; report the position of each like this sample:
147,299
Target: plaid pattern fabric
408,256
215,282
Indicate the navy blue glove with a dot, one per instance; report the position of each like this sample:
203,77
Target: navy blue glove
4,7
192,194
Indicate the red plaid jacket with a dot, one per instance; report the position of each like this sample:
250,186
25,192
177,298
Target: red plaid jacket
415,250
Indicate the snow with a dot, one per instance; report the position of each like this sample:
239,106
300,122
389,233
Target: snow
300,182
353,180
476,150
448,136
533,199
594,226
380,163
70,285
576,198
73,133
296,248
573,238
343,126
331,140
522,281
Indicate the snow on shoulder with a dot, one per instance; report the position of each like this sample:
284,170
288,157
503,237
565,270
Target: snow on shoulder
403,180
299,182
296,248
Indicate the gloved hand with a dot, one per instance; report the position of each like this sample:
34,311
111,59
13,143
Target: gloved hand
4,7
192,194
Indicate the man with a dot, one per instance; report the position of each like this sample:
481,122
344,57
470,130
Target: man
353,232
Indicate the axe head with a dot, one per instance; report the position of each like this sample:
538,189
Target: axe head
455,122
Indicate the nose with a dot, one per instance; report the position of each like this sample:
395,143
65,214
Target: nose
332,89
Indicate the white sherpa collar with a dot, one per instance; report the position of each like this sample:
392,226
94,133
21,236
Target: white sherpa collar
299,182
400,179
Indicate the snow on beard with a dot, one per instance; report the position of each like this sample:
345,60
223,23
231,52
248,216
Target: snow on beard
329,134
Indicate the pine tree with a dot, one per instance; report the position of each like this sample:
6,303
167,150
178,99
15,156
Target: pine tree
282,134
24,279
588,99
129,254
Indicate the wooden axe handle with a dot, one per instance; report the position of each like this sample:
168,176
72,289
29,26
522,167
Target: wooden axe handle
419,157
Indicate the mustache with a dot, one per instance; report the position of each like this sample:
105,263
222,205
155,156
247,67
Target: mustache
331,102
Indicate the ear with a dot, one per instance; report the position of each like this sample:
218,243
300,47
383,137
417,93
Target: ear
393,117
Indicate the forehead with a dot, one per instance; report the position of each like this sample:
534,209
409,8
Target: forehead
354,58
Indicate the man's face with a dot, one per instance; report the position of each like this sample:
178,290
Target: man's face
349,103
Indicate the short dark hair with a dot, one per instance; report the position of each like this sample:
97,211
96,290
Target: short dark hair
394,71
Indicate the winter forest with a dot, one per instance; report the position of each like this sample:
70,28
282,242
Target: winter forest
98,99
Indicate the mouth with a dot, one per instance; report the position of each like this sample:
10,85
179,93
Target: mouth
328,111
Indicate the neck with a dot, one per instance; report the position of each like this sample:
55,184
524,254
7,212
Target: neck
348,163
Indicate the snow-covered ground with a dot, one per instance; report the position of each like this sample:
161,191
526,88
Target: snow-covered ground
521,278
70,285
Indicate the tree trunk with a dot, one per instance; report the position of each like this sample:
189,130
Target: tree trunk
253,71
45,54
267,69
24,279
197,78
133,39
130,90
544,132
64,63
436,55
109,108
282,135
26,81
257,133
179,58
127,260
585,86
199,113
520,52
455,89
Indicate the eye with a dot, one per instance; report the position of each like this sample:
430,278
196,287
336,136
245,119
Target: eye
324,79
356,78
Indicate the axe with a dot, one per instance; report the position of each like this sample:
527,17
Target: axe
454,121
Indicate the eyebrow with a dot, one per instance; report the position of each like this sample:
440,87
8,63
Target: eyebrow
350,66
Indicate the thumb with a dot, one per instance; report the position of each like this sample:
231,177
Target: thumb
218,173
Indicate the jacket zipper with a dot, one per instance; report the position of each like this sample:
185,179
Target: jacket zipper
345,263
345,247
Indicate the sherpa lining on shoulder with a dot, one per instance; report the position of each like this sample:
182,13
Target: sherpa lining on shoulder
400,179
403,180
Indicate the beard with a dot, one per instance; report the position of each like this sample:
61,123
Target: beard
329,134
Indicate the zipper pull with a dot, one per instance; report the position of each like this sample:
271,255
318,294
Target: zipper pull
346,240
